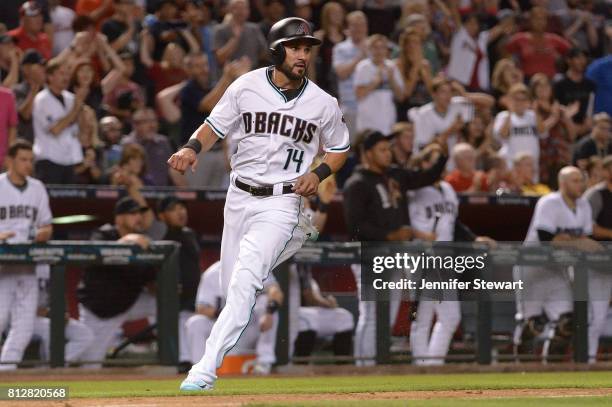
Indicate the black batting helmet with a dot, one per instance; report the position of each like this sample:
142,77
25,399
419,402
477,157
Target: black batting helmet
285,30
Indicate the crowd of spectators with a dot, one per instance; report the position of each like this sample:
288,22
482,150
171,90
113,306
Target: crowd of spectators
107,89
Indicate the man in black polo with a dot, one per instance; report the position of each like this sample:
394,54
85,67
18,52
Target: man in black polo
109,295
598,143
600,282
173,213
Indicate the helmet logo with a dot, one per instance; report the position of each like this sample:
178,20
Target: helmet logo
303,29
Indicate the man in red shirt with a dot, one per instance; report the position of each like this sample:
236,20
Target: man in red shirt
30,33
465,177
538,50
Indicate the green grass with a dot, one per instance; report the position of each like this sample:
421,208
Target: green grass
488,402
339,384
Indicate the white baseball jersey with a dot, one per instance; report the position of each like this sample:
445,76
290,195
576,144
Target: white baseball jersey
22,210
434,209
209,290
523,136
428,122
277,138
552,215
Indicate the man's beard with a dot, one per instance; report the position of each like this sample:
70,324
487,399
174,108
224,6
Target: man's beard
289,73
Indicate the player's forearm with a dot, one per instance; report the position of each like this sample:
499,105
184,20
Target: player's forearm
335,160
225,52
67,120
43,233
206,136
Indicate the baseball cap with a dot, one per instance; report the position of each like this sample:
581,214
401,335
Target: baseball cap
128,205
32,56
30,9
372,138
167,203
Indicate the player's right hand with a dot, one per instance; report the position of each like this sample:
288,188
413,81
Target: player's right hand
183,159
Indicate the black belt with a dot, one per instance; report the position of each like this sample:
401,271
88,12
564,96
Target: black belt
261,191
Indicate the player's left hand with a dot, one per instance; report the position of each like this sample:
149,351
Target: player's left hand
265,322
487,240
306,185
6,235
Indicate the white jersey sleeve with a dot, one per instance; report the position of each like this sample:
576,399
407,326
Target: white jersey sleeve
334,133
225,116
500,119
545,216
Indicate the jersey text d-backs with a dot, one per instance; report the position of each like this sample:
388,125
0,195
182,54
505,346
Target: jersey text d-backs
276,138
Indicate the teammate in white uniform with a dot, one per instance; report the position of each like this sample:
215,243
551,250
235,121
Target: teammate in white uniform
78,335
24,216
561,218
260,333
434,209
279,119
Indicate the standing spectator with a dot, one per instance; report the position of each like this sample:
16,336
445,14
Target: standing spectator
574,87
120,28
173,213
478,134
110,295
89,171
497,47
377,84
403,140
559,131
523,174
330,34
505,75
465,177
110,136
237,37
274,11
10,55
430,50
156,146
442,118
469,60
199,15
54,116
415,71
30,33
18,283
538,50
33,70
8,122
580,27
600,72
518,129
122,95
598,143
61,18
170,70
345,57
97,10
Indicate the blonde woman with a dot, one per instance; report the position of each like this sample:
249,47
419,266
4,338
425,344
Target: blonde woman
415,71
330,34
505,74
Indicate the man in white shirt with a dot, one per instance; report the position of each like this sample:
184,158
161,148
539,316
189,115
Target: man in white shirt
54,116
345,57
377,84
61,18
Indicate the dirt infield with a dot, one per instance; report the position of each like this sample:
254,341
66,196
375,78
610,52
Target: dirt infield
232,401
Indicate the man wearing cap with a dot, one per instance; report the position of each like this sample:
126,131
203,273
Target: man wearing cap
173,213
34,77
375,209
111,295
30,33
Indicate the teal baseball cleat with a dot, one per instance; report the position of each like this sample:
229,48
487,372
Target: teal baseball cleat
190,384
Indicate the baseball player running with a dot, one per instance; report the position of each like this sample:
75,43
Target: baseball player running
278,118
24,216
